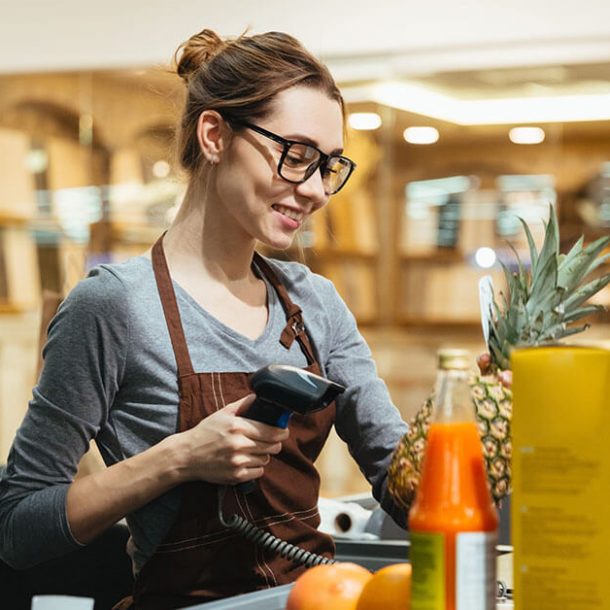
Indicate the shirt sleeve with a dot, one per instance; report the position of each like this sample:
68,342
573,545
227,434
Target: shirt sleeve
83,362
367,420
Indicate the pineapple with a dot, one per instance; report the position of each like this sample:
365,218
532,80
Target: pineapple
540,307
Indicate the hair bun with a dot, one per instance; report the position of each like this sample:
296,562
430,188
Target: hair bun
197,51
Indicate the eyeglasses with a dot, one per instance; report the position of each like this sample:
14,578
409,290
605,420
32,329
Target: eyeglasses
299,161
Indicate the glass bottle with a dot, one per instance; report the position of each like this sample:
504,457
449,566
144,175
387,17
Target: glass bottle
453,522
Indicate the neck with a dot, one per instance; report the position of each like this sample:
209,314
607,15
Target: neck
198,241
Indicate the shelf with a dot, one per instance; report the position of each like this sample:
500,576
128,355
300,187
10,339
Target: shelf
437,256
341,253
8,308
420,322
12,219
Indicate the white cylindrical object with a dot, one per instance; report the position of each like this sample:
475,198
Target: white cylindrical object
61,602
344,519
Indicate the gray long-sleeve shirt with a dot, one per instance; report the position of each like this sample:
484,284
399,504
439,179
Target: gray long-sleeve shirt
110,374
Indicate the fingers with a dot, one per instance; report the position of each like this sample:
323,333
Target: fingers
263,433
253,429
263,448
484,362
506,378
239,407
226,447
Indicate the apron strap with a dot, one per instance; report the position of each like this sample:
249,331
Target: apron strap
295,326
170,309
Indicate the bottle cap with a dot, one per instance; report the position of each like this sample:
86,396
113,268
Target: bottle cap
457,359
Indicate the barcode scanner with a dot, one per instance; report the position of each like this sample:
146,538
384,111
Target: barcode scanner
282,390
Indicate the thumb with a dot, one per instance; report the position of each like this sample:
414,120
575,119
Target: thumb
239,407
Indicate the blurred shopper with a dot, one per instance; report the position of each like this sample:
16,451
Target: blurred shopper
151,357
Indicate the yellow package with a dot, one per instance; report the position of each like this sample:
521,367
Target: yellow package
561,478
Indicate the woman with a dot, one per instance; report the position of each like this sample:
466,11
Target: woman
152,357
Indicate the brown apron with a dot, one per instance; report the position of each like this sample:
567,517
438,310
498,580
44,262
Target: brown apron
200,560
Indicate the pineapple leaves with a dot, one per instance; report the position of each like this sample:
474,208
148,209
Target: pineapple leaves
523,280
580,295
540,305
531,243
544,272
544,283
578,263
598,261
582,312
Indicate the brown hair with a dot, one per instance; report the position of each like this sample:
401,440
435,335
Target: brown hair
239,79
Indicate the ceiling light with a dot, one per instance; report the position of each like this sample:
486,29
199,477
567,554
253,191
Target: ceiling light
421,135
364,120
526,135
419,99
485,257
36,160
161,169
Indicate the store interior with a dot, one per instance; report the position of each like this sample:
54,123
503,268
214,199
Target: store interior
449,157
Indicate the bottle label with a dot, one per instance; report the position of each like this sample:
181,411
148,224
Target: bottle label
475,571
427,554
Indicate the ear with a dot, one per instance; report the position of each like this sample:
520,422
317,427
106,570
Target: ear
212,134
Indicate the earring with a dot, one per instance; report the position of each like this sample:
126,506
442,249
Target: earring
213,159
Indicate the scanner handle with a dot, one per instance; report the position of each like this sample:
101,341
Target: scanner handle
270,414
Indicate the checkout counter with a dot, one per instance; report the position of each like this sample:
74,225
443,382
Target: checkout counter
375,543
363,534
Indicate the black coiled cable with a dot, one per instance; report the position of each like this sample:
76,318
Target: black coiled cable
268,541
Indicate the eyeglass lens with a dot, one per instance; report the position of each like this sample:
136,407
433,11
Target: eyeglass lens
301,161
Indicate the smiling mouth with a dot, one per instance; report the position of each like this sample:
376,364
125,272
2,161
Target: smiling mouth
298,216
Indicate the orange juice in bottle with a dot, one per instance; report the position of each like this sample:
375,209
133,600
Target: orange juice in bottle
453,522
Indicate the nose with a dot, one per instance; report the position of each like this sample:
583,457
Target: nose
313,190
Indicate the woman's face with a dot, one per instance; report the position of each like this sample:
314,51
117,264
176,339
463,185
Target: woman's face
254,199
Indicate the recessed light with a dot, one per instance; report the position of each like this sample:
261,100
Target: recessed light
161,169
526,135
485,257
365,121
421,135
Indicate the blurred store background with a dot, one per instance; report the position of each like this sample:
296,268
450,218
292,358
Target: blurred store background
462,117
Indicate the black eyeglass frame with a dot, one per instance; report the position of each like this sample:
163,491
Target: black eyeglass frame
321,163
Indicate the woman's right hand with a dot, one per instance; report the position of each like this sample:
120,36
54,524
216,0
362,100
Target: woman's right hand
224,448
227,448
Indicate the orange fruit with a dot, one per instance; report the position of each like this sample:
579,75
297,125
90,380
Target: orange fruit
388,589
328,587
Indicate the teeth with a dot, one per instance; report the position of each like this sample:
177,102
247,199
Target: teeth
288,212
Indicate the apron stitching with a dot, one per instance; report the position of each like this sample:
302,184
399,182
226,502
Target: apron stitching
214,391
292,514
181,546
250,516
290,518
246,512
220,533
218,537
261,551
302,515
276,520
222,395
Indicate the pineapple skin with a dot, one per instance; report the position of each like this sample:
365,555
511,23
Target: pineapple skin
493,408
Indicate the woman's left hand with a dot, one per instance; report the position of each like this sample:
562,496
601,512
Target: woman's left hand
484,363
